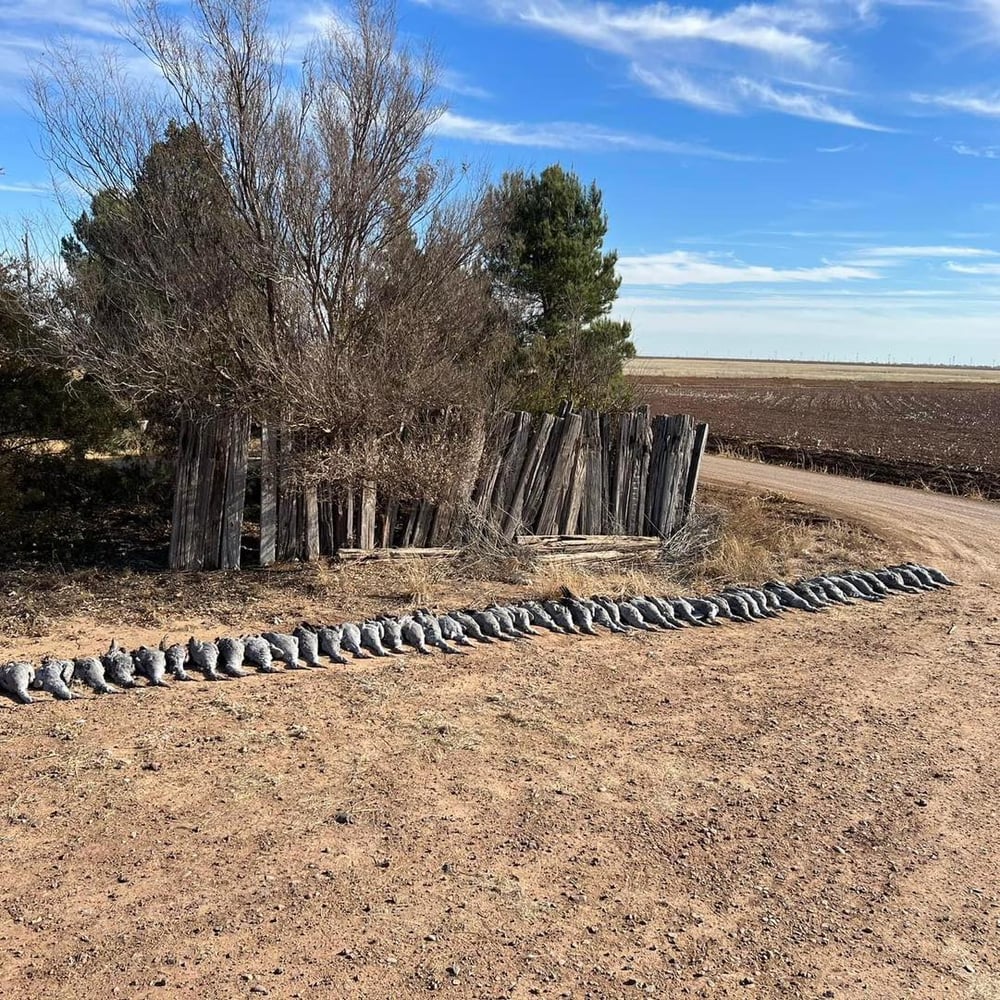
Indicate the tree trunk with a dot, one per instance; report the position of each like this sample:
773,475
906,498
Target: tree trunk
209,493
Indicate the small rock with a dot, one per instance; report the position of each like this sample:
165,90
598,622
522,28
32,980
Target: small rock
746,981
921,802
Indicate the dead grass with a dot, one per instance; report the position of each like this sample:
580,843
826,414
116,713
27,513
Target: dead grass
734,536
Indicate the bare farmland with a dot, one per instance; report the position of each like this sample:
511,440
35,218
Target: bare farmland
920,432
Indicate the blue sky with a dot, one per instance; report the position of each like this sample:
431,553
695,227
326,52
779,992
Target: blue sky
816,179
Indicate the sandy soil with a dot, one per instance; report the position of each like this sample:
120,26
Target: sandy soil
801,808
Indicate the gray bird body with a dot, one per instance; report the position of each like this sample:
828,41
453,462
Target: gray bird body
175,656
151,664
850,589
600,616
371,639
15,679
922,576
284,648
832,591
810,596
760,596
204,657
232,653
118,666
581,615
611,607
541,618
894,581
746,602
350,639
505,621
54,676
738,610
722,608
257,652
489,626
706,610
630,616
873,581
470,626
413,635
560,614
522,618
912,579
684,611
329,637
392,635
308,645
89,670
936,575
650,611
433,635
788,597
666,609
453,630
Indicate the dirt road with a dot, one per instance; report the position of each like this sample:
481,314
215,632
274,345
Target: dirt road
801,808
965,534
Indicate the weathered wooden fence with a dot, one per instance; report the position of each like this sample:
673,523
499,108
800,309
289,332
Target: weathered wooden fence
548,474
591,474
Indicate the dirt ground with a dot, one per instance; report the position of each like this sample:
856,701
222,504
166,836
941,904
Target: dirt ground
799,808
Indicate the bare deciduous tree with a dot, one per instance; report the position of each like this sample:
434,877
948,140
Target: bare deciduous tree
287,251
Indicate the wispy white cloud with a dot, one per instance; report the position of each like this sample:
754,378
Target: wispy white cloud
773,30
992,270
985,105
683,267
919,252
802,105
569,135
781,57
983,152
846,148
16,187
458,83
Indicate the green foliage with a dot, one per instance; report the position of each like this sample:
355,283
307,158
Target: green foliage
40,402
551,272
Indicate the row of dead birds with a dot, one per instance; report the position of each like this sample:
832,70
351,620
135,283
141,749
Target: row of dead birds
423,631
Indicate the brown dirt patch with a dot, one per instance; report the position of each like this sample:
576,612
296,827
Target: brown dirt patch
800,808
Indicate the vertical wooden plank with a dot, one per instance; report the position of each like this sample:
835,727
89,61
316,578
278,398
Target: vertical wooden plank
389,524
529,487
366,533
310,517
563,464
235,494
268,494
694,469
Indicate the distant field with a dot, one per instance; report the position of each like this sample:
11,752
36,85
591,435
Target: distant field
738,369
940,431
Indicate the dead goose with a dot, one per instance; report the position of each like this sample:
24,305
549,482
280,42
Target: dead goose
652,613
350,639
151,664
452,630
685,612
611,607
915,579
175,657
522,618
54,676
308,645
432,633
470,626
204,657
232,653
630,616
787,597
284,648
600,616
118,666
90,671
15,679
371,638
561,616
413,634
257,652
329,637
